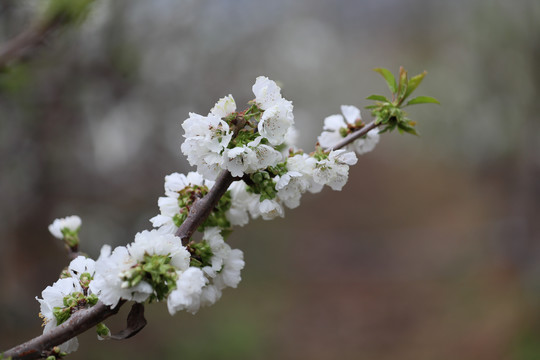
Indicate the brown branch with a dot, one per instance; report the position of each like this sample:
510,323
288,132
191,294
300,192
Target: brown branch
78,323
202,208
24,45
353,136
85,319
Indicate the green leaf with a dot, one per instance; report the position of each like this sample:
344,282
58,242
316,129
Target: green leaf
404,127
377,98
414,82
390,79
372,106
423,100
403,83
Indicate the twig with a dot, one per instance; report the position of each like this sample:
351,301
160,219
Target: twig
22,46
85,319
202,208
353,136
78,323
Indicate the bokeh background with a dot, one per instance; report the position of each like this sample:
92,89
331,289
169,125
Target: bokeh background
431,251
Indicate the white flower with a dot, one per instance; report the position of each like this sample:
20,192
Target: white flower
270,209
197,287
112,268
53,296
278,115
305,164
262,157
108,283
232,266
224,107
165,224
291,138
210,295
337,125
331,131
276,122
267,209
334,170
176,182
249,158
226,265
366,144
290,188
72,223
226,262
211,132
240,198
168,205
188,291
206,137
156,243
237,159
220,250
351,113
81,265
266,91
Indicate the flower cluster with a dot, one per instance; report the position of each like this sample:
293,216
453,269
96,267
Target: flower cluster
67,295
240,142
67,229
336,127
256,146
156,266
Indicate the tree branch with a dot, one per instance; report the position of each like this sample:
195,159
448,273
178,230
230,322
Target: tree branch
22,46
353,136
202,208
78,323
85,319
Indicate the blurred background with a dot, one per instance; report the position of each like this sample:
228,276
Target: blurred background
431,251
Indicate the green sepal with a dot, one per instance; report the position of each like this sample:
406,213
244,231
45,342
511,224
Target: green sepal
218,215
85,280
243,137
92,299
71,237
201,254
179,218
280,169
263,185
157,271
423,100
61,314
389,77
